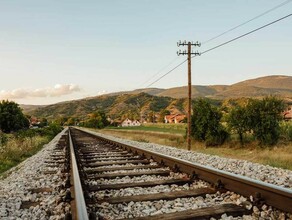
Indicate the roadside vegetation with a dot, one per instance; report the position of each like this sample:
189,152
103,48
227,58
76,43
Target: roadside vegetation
17,141
16,147
249,129
279,155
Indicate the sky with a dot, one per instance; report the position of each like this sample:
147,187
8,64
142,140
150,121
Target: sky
52,51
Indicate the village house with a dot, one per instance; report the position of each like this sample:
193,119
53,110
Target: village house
129,123
34,122
178,118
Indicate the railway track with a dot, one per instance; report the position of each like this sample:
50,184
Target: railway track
110,180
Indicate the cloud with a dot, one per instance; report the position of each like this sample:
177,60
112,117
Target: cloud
102,92
56,91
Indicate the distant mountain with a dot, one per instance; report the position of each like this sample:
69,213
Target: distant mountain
28,108
144,101
269,82
259,87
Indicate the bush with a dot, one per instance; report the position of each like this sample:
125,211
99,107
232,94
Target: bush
237,121
3,139
206,123
286,130
11,117
96,120
217,137
263,117
52,130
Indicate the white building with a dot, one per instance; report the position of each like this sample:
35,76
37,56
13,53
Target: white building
129,123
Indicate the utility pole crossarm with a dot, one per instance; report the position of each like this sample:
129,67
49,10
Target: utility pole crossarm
189,53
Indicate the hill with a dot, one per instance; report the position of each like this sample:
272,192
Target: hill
141,102
29,108
259,87
269,85
116,106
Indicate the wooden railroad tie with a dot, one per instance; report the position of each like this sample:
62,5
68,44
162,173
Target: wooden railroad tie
139,184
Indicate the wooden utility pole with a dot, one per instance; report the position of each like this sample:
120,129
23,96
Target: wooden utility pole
189,95
189,53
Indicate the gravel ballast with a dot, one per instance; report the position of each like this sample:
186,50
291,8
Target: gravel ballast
276,176
265,173
30,174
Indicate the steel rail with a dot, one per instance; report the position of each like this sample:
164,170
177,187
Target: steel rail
276,196
78,192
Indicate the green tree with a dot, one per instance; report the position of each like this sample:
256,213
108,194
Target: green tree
61,120
43,122
205,123
237,121
264,117
96,120
11,117
71,121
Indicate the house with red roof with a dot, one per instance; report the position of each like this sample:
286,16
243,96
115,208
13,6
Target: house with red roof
177,118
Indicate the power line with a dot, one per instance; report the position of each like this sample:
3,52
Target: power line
220,45
246,22
158,72
243,35
215,37
167,73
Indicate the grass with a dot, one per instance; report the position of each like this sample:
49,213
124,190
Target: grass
17,150
174,135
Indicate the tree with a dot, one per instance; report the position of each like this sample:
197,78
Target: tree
43,122
71,121
264,117
96,120
11,117
205,123
238,121
61,120
151,117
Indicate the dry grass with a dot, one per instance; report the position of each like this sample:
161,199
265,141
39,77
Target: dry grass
278,156
16,150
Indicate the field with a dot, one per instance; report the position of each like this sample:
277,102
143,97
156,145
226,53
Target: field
174,135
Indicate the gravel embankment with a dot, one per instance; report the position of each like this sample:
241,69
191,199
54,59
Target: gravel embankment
16,188
256,171
265,173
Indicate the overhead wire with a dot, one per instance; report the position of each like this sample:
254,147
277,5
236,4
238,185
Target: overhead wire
211,39
246,22
220,45
159,71
243,35
167,73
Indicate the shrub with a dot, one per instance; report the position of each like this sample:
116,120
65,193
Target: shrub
286,130
11,117
3,139
237,121
263,117
206,125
